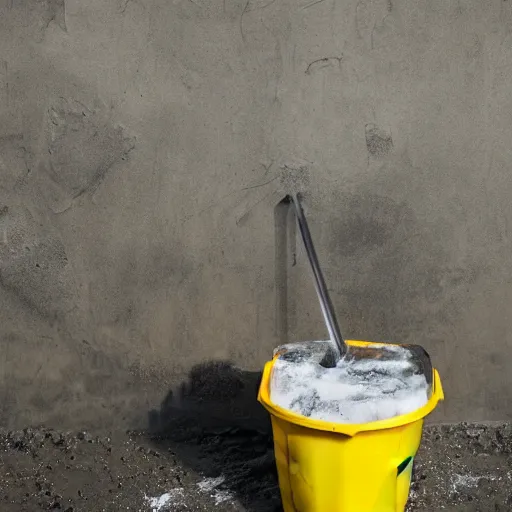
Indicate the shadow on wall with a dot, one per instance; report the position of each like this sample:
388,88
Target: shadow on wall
215,426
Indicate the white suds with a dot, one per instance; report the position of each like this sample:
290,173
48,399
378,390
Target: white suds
355,391
165,501
209,485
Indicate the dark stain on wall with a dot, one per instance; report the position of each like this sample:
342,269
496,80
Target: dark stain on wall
391,273
366,223
378,141
83,146
34,266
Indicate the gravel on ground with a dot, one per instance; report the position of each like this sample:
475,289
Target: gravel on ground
190,467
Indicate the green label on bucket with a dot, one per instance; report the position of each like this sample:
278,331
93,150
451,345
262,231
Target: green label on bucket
403,465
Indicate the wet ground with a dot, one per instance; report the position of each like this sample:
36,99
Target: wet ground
209,448
196,468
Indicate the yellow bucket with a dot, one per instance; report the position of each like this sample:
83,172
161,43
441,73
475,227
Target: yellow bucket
331,467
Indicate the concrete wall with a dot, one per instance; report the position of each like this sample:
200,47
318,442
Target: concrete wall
145,144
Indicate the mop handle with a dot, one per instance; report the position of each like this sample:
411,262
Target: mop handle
321,288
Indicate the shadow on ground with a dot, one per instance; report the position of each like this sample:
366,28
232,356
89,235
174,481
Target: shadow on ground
216,427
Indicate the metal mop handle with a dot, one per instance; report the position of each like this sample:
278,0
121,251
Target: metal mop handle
321,288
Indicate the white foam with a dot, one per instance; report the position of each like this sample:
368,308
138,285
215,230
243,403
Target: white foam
209,485
353,392
166,500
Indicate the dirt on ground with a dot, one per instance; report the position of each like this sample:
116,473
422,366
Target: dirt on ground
195,468
209,448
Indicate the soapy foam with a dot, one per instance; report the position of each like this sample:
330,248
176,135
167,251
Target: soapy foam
355,391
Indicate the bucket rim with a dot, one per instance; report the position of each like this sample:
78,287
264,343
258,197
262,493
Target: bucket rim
350,429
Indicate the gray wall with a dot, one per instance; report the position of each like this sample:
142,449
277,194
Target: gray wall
145,144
